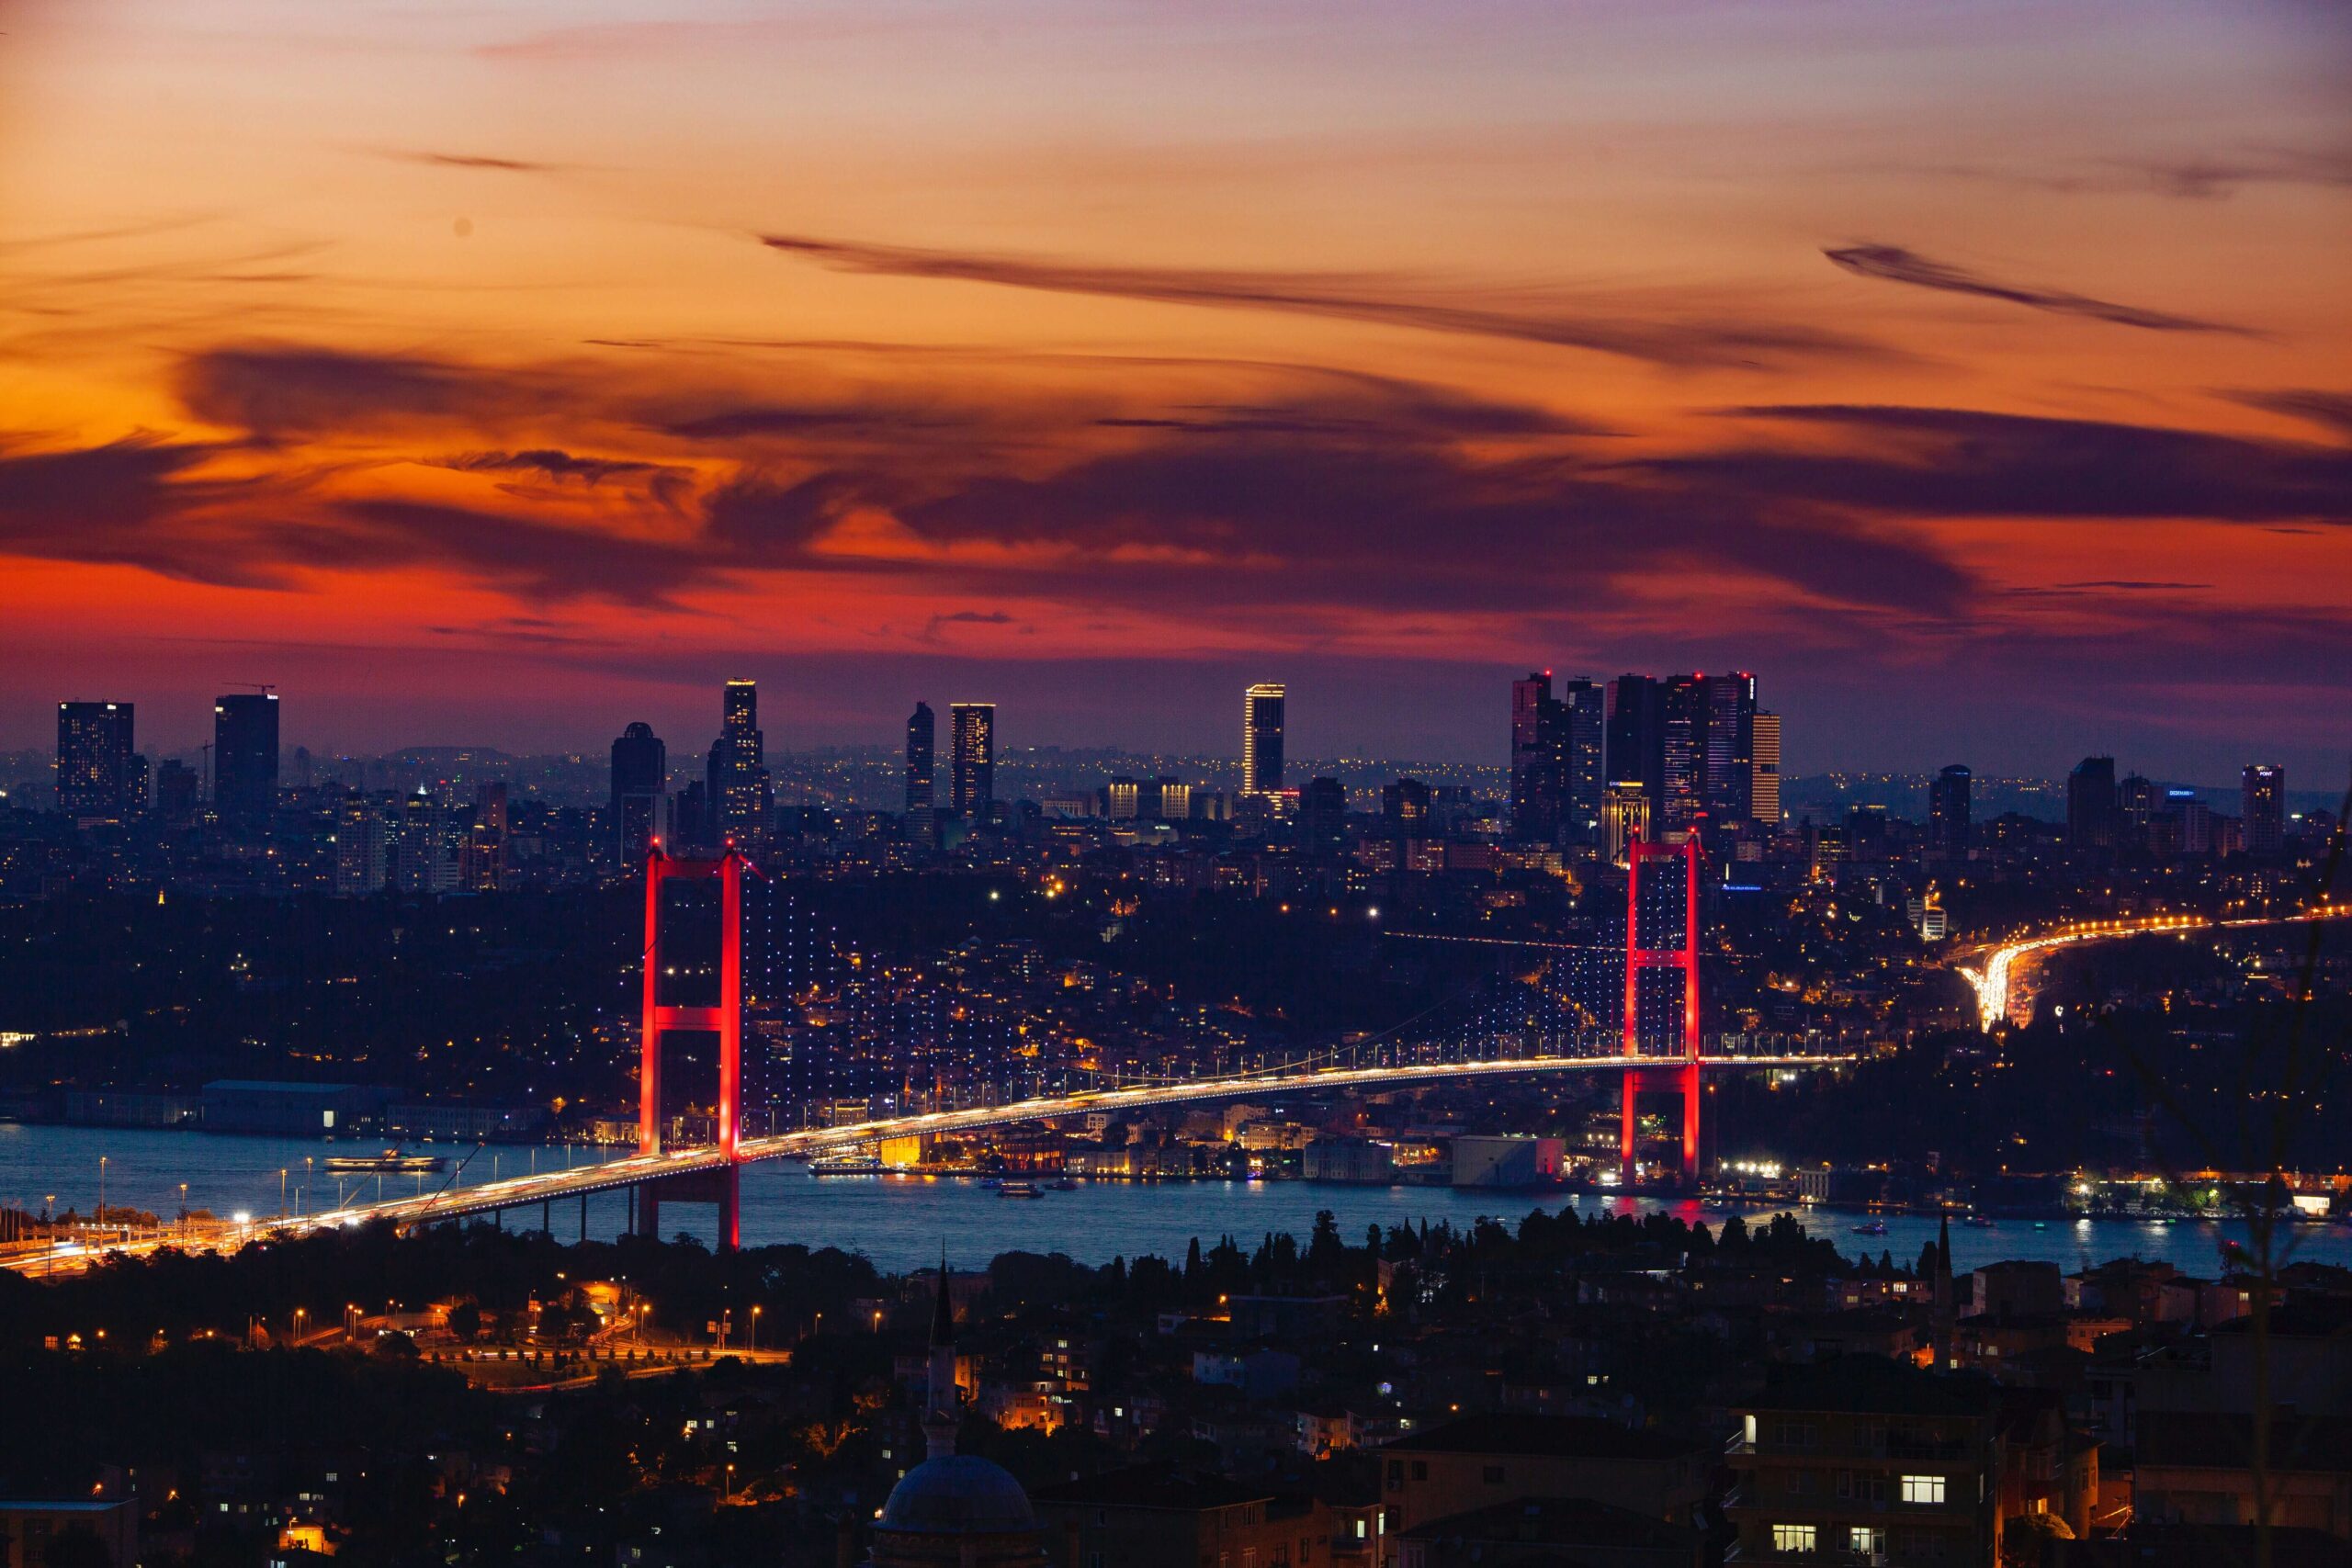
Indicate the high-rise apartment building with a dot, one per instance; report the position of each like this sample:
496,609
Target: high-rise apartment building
1261,737
922,776
640,783
971,760
2090,804
2262,808
244,758
177,795
1949,811
741,794
1764,770
95,758
362,846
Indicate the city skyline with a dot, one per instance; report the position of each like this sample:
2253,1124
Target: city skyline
1915,356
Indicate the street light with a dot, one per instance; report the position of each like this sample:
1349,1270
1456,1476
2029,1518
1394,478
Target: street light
755,1331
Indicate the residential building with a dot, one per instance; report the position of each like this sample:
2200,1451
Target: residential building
1261,737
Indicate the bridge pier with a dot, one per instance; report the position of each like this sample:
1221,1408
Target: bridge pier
1684,1079
722,1185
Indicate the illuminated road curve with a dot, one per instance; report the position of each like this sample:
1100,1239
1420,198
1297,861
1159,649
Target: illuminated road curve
1991,982
547,1185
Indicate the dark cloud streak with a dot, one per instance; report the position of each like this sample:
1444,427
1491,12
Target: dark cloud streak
1894,264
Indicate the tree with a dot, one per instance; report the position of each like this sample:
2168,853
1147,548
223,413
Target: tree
465,1321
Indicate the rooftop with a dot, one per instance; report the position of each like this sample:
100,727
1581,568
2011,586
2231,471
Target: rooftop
1549,1436
1153,1486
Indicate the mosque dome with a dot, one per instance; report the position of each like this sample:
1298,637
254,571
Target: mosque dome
960,1495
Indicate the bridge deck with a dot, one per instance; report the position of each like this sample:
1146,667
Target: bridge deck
637,1170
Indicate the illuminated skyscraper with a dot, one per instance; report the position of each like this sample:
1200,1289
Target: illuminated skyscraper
94,773
1949,811
640,782
1624,820
244,758
1764,770
971,758
922,777
1261,737
2262,807
741,796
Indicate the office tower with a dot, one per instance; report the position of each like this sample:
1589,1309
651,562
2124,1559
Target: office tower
176,796
742,794
94,759
1949,808
1121,798
1404,809
1582,721
1323,814
301,767
244,758
691,824
1680,799
361,843
1536,785
1624,820
1168,799
1764,770
971,758
484,840
1261,737
2090,804
641,780
2262,808
1637,734
1730,747
922,778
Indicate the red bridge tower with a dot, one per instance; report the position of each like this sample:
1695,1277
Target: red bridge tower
1685,958
724,1185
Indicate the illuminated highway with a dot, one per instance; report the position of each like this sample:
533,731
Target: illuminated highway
543,1187
1991,981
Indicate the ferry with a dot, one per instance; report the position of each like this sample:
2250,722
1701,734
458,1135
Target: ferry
1982,1221
1018,1189
1876,1227
392,1162
1064,1185
847,1164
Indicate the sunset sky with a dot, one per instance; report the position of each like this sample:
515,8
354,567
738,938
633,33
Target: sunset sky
1980,375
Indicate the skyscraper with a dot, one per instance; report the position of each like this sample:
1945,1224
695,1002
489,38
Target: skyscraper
1637,734
1535,787
1555,760
1261,737
2090,804
1624,820
971,758
244,758
1323,816
742,797
920,777
640,780
1949,810
2262,807
94,759
1764,770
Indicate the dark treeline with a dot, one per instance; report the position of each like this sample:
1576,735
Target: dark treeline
500,1273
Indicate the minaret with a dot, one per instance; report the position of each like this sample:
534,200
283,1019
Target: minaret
939,1418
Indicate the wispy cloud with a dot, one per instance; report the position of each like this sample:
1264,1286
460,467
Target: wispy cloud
1385,299
1894,264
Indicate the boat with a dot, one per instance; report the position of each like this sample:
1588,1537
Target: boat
1018,1189
1064,1185
1982,1221
392,1162
847,1164
1876,1227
